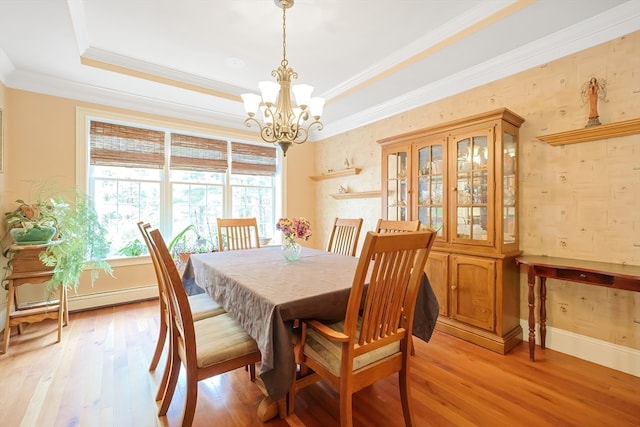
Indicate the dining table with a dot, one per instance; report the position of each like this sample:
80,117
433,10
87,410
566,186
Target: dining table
267,294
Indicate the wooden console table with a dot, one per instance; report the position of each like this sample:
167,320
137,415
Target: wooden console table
617,276
27,269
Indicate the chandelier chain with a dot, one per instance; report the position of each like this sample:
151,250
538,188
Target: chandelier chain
284,37
283,122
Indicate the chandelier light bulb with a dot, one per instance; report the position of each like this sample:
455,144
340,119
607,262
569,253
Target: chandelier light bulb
316,107
269,91
303,94
251,103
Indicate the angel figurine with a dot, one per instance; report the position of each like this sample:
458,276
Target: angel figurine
591,92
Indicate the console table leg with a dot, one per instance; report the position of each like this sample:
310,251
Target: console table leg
531,280
543,311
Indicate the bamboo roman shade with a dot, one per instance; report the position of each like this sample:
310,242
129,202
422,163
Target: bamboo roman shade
195,153
118,145
128,146
250,159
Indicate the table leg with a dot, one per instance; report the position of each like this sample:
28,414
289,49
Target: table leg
269,409
543,311
531,280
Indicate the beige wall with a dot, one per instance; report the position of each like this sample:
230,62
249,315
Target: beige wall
577,201
3,129
299,197
41,149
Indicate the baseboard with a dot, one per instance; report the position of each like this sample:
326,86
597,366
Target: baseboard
603,353
102,299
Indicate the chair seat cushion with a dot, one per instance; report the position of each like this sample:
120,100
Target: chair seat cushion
203,306
221,338
329,353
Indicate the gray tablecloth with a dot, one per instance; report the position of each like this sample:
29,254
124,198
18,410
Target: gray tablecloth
266,294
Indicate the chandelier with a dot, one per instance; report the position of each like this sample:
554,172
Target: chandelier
284,124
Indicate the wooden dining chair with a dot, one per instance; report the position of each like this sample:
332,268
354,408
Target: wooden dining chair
238,233
393,226
202,306
372,342
205,348
344,236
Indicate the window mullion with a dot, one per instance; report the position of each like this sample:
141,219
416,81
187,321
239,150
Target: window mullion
227,193
166,196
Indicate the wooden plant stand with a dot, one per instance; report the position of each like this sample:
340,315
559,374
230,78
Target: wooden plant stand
27,269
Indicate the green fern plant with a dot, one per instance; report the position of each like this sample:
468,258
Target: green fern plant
81,242
83,245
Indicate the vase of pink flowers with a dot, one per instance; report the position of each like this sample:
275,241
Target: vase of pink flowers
292,229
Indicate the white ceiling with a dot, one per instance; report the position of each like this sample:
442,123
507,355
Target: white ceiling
370,59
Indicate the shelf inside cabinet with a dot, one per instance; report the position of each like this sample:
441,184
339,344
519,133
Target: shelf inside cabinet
356,195
610,130
336,174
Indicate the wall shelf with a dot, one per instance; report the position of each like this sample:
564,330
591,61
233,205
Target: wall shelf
336,174
356,195
610,130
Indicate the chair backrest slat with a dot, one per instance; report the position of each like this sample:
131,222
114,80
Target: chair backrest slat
157,268
385,286
393,226
238,233
178,299
344,236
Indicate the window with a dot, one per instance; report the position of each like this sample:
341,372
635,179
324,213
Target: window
172,179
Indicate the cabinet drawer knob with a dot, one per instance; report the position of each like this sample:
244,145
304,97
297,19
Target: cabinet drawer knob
583,276
453,287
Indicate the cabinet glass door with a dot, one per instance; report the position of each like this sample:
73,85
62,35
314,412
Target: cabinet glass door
431,200
471,200
397,186
509,188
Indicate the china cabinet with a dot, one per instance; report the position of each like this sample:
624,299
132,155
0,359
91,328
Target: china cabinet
460,179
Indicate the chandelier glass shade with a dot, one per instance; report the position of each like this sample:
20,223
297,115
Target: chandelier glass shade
282,122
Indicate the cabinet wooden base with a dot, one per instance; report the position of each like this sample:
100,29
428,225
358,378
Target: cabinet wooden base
499,344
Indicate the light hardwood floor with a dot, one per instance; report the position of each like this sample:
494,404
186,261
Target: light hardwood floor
97,376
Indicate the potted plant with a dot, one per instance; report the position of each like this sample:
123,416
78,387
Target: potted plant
189,241
133,248
80,240
35,223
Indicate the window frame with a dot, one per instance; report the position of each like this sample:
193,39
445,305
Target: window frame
85,115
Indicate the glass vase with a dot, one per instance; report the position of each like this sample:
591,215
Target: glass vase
291,250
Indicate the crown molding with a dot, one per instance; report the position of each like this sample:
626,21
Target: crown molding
111,61
227,114
439,36
6,67
617,22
